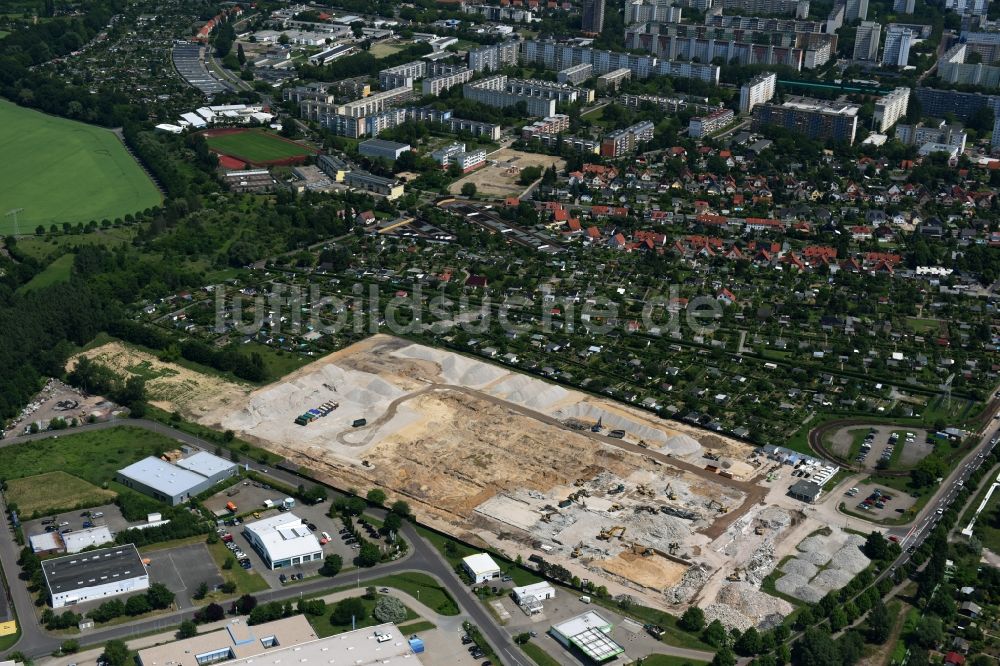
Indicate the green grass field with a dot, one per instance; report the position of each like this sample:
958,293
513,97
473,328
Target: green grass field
254,146
60,170
95,456
54,273
54,491
539,656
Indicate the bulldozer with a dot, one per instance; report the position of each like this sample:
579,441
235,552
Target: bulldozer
576,551
735,576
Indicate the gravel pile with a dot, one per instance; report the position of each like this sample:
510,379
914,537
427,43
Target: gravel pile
742,605
760,564
800,567
850,559
774,518
831,579
693,580
799,587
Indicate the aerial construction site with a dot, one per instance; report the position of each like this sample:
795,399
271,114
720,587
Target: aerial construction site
656,509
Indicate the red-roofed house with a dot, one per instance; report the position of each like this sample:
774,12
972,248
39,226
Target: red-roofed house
476,281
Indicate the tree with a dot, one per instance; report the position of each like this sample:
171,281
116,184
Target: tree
369,555
246,604
332,564
879,624
724,657
692,620
522,638
240,56
468,189
346,609
389,609
876,547
929,632
202,591
376,496
159,596
70,646
137,605
210,613
401,508
187,629
715,634
116,653
749,643
816,648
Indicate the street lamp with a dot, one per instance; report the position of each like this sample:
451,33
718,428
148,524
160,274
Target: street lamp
13,212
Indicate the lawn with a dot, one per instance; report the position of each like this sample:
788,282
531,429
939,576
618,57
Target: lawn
422,587
384,50
247,582
538,655
256,146
416,627
324,627
54,273
673,635
52,492
95,456
47,248
59,170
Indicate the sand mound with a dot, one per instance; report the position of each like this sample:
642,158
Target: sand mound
455,369
677,444
531,393
741,605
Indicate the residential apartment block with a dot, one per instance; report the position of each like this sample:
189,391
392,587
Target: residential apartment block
493,57
644,11
436,85
703,125
575,74
624,141
815,119
557,56
758,90
402,75
492,91
890,108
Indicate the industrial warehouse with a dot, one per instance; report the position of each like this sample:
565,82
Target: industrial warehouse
179,482
97,574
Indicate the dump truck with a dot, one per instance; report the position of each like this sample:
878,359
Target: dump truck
231,506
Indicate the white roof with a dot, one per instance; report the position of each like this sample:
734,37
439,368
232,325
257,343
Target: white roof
206,464
194,119
161,476
581,623
168,127
80,539
45,541
358,648
480,564
534,590
284,536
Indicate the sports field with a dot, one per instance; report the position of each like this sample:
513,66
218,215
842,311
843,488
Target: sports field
60,170
54,491
255,146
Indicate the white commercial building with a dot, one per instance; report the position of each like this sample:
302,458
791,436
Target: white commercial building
96,574
590,634
758,90
209,465
283,541
530,597
890,108
81,539
481,567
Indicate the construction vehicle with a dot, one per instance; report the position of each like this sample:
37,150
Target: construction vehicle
718,506
643,444
616,531
735,576
673,547
643,489
579,482
616,507
620,488
670,493
599,426
576,551
758,530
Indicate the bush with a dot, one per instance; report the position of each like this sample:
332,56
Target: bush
187,629
332,564
347,609
390,609
692,620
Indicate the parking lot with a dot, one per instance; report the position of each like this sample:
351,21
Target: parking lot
313,515
183,569
886,446
112,518
894,507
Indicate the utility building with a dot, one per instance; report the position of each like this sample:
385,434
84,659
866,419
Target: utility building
283,541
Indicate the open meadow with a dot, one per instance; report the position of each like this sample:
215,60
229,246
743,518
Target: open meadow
59,170
54,491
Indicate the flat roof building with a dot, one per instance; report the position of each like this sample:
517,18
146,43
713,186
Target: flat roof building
805,491
209,465
46,543
588,633
383,644
283,541
236,641
163,481
390,150
80,539
97,574
481,567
